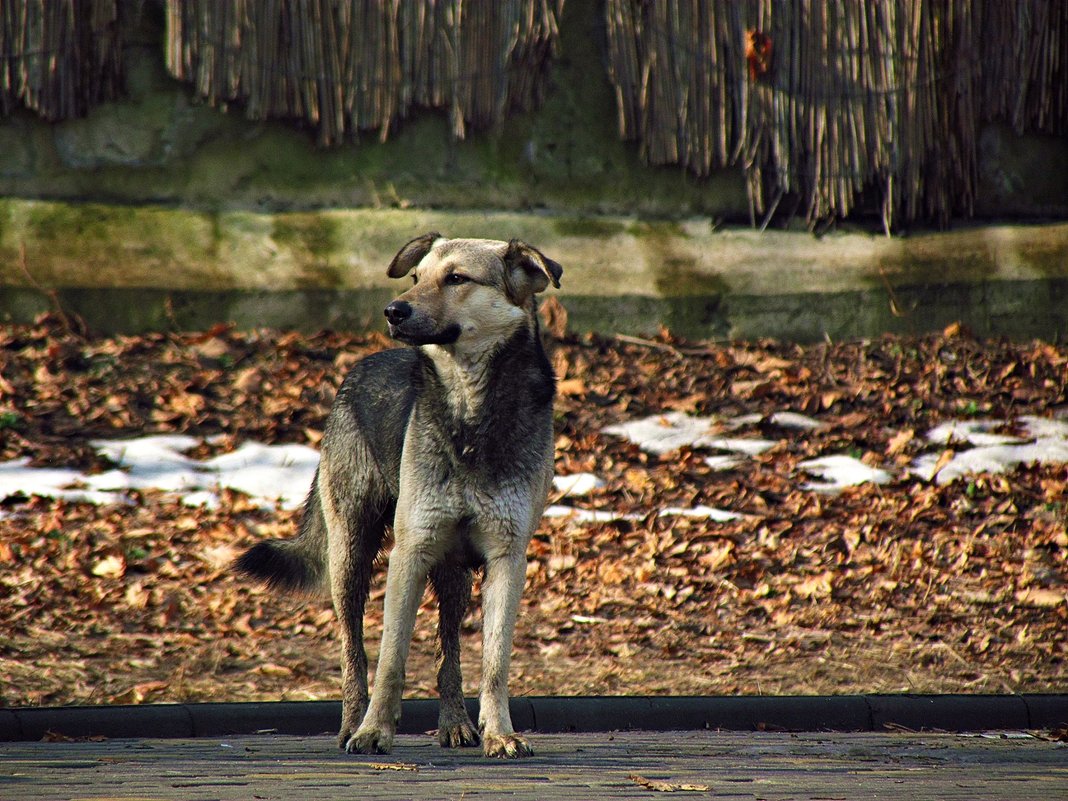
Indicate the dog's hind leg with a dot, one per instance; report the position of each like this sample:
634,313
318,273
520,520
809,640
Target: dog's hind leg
355,531
349,592
452,586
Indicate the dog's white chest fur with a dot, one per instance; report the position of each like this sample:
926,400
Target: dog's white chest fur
465,376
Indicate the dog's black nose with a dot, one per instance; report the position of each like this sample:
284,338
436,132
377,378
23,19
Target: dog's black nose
398,311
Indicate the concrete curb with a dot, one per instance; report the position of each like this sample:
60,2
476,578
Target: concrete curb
560,714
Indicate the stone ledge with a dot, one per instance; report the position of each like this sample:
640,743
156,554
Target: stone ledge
127,269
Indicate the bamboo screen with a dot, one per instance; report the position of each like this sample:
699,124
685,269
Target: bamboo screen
824,99
345,66
59,57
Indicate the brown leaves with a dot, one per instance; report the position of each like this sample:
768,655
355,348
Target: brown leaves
908,586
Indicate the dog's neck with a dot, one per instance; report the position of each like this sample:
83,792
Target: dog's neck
465,374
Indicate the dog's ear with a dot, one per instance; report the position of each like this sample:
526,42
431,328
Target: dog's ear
528,271
411,254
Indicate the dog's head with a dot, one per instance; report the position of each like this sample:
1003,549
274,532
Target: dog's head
468,292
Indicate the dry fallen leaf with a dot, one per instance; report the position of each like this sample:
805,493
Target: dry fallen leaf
818,586
110,567
900,441
945,458
553,317
1040,597
276,671
571,387
667,787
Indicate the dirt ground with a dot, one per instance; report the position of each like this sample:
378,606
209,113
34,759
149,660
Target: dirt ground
908,586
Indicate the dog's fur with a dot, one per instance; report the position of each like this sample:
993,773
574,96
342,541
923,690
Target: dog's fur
450,441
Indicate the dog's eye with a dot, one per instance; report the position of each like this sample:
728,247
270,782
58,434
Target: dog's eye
455,279
415,278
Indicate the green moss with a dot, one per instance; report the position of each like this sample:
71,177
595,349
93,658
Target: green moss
656,229
588,226
62,222
315,234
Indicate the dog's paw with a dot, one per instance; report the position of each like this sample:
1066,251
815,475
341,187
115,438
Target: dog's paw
351,715
370,741
462,734
343,738
506,746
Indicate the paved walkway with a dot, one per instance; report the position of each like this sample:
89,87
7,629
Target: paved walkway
727,765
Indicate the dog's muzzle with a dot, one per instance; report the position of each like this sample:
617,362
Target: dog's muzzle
416,329
398,311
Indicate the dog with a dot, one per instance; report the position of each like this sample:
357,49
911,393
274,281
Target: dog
450,442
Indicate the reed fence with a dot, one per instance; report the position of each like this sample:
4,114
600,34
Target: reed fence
59,58
345,66
824,100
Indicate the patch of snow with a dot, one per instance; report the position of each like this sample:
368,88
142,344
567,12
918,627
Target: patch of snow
795,420
723,462
577,484
1046,443
586,515
974,432
205,498
275,473
781,419
746,447
51,482
701,511
271,474
840,471
155,462
664,433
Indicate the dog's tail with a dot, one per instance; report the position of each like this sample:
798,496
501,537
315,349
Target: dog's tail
298,564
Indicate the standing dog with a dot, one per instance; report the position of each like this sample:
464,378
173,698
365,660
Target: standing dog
451,442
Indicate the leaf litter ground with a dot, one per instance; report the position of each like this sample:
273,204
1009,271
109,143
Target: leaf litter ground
909,585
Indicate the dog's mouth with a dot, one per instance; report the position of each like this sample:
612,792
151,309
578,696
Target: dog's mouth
410,335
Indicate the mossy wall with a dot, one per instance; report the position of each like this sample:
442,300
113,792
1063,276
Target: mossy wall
159,145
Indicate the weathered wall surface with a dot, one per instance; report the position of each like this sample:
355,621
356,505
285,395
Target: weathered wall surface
139,268
158,211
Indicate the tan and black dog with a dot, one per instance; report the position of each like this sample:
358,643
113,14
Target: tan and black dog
450,442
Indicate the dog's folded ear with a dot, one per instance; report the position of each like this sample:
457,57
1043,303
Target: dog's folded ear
528,271
411,254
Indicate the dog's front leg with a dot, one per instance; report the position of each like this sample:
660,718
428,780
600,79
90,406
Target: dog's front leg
502,589
405,580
